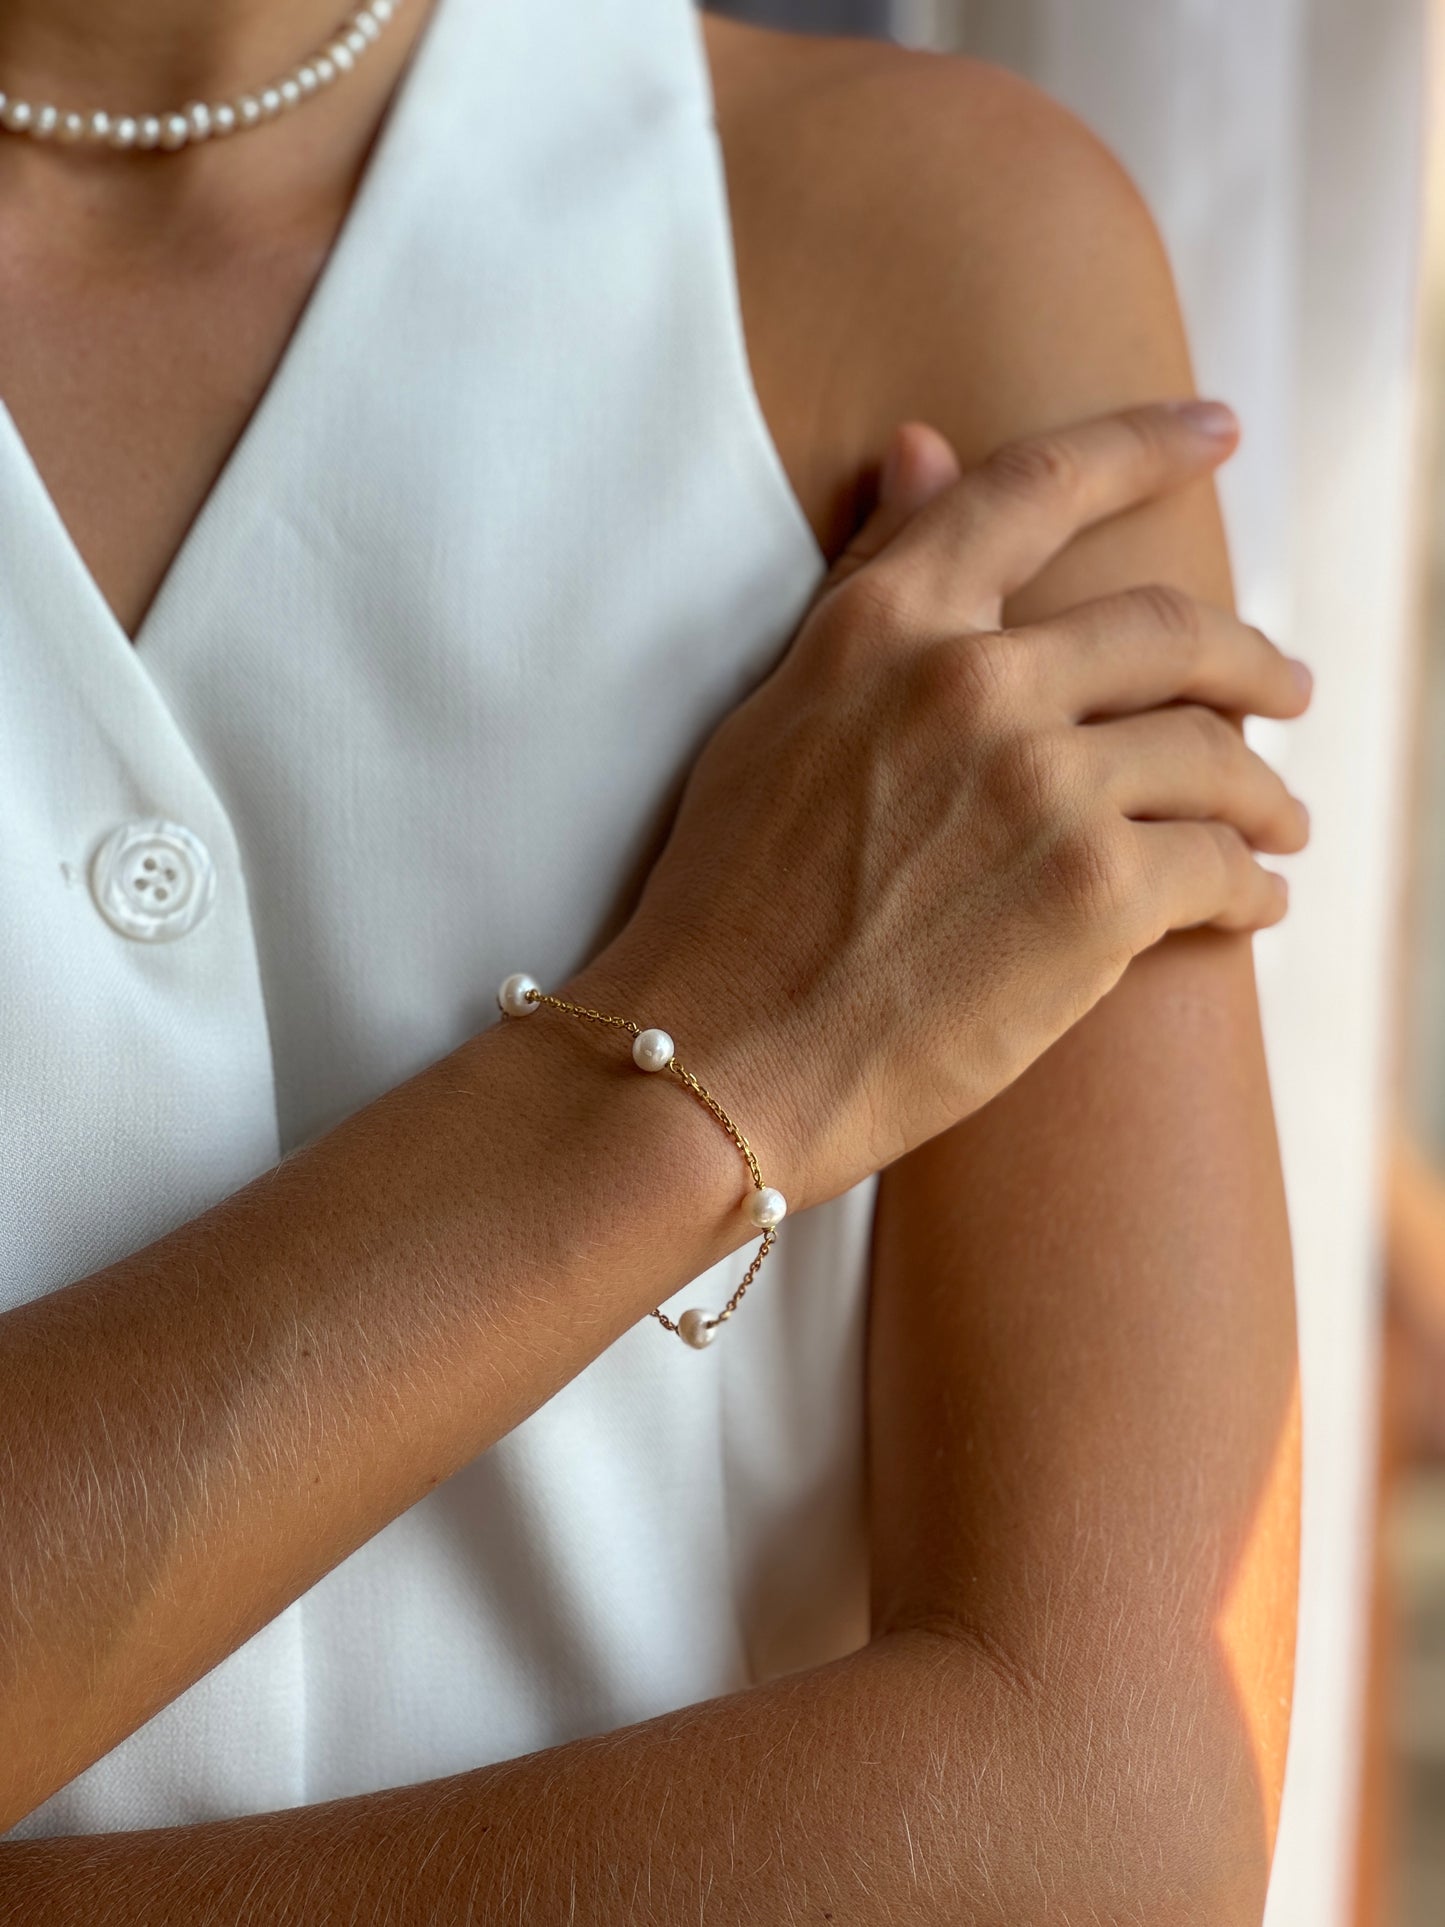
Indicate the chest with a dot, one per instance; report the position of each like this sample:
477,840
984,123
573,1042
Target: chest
131,378
133,372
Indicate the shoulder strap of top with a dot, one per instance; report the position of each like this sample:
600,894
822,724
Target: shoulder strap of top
548,101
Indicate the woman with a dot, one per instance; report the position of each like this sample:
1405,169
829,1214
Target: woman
343,1465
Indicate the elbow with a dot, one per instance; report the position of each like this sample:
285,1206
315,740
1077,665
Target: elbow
1195,1855
1093,1793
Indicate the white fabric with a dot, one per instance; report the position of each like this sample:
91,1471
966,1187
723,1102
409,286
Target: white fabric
505,539
1280,144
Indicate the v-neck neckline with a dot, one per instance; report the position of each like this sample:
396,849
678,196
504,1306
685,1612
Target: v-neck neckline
218,515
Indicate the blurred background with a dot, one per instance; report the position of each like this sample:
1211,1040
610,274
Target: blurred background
1402,1873
1292,153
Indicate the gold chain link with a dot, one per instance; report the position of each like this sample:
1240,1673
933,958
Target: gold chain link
704,1097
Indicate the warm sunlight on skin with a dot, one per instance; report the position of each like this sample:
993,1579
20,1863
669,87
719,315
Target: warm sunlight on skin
1255,1627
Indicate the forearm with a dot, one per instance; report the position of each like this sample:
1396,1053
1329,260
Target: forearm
913,1784
197,1434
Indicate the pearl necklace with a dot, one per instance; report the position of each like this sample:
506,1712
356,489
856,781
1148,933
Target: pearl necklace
197,121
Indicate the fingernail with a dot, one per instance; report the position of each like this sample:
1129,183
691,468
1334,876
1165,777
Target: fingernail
1210,418
1303,675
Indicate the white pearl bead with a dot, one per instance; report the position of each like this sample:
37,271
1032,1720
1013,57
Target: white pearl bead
512,997
652,1050
200,120
693,1329
767,1207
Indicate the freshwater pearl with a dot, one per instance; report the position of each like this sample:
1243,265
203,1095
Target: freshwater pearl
512,997
766,1207
652,1050
198,120
693,1329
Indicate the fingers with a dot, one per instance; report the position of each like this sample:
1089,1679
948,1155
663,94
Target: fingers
996,527
1189,762
1155,644
1203,873
918,464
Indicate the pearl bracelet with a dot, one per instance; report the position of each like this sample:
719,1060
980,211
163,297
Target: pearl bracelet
652,1050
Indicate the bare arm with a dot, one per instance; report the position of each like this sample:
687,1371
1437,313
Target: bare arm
195,1435
1083,1373
862,1792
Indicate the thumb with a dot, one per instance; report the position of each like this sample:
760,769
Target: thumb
918,464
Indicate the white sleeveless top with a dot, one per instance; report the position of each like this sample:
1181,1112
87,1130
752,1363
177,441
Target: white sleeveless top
505,539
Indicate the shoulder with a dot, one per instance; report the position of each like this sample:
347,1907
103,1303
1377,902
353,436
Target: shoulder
894,119
925,234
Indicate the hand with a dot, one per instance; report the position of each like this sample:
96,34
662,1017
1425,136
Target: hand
926,845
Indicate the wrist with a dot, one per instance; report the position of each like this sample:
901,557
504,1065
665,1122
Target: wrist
637,1183
726,1037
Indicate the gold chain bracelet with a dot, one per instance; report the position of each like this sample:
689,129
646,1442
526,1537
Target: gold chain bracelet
652,1050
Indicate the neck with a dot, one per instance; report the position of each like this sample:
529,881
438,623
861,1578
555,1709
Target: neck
146,56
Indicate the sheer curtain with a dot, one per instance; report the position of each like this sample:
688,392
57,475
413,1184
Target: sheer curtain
1280,145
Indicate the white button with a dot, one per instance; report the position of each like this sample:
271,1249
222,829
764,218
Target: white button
152,879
